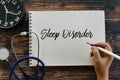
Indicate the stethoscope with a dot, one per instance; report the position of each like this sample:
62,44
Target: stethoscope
4,54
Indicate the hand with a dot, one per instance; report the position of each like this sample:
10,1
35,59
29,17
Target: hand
101,60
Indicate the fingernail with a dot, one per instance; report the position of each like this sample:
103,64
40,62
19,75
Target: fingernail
92,47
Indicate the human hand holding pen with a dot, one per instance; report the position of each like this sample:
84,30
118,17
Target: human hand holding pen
101,60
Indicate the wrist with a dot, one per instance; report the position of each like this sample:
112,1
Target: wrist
104,76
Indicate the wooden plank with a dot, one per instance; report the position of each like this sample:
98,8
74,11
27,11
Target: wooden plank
64,5
113,33
72,0
113,38
112,8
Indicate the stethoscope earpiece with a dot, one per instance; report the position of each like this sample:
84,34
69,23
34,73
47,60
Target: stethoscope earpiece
23,33
4,54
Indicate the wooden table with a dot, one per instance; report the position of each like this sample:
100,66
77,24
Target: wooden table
112,9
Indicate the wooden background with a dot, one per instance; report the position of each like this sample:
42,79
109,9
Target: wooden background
112,10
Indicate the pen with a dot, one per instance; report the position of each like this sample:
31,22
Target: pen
106,51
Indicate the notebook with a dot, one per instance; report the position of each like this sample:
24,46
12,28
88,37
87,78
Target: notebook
63,36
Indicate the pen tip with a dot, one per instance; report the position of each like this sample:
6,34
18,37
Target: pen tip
89,44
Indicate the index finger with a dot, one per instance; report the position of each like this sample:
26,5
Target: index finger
104,45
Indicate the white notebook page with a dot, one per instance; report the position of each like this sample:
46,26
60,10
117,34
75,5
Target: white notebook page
63,36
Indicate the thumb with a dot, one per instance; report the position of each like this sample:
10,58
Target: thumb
96,53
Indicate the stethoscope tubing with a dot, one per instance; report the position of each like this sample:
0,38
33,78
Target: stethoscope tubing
25,58
10,67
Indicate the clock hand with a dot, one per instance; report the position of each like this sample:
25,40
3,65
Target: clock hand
12,13
6,17
6,9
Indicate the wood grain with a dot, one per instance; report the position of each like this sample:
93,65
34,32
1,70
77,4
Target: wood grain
112,9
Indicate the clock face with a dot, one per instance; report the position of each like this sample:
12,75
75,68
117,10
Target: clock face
11,12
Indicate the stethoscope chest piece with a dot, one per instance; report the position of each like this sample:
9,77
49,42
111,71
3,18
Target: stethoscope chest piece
4,54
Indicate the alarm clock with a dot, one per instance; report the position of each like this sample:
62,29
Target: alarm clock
11,13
